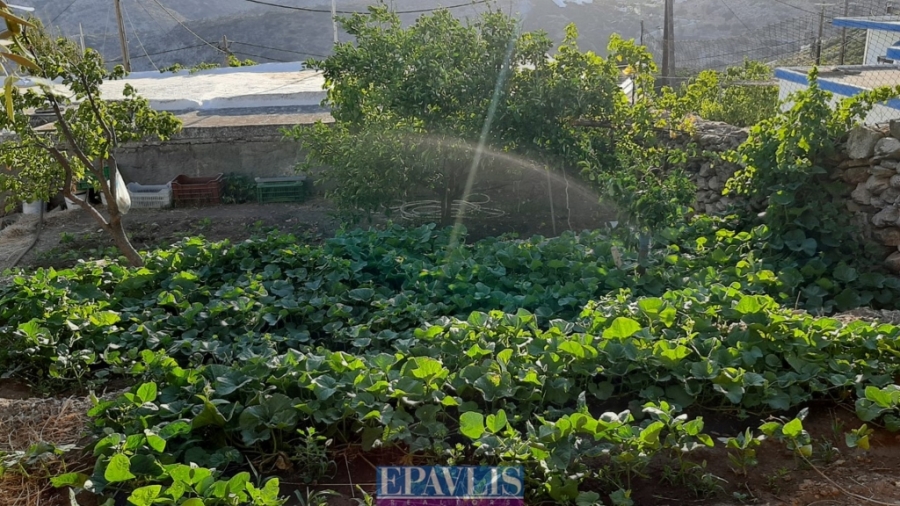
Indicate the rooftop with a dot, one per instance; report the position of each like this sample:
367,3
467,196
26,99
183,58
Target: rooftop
885,23
260,86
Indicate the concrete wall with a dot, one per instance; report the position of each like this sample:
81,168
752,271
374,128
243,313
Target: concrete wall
877,44
215,144
159,164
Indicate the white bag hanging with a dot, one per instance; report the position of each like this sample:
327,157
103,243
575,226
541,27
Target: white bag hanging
123,198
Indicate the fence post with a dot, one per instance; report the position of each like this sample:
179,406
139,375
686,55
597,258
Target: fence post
819,38
844,33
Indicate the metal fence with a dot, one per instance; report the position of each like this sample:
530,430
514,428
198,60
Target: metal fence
816,37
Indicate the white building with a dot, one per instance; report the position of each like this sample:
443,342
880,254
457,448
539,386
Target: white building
882,33
846,81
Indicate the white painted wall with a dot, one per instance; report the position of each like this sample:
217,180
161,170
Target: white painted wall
879,114
877,44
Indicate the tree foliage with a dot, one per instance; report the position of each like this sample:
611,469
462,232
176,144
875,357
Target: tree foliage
738,96
645,179
411,104
43,161
784,161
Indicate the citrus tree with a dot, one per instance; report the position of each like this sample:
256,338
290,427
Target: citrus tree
409,104
43,161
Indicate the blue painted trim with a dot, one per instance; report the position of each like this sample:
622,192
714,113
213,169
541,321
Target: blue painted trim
893,53
888,26
847,90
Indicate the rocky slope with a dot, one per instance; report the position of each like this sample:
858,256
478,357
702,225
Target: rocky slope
301,33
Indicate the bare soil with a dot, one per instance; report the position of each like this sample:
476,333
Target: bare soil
66,236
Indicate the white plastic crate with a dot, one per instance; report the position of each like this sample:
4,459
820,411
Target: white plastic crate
150,196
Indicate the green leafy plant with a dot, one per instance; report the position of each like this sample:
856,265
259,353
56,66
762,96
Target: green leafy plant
741,95
784,162
239,189
742,451
880,403
859,438
792,433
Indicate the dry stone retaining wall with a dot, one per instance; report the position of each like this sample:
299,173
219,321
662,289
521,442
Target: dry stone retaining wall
871,166
868,162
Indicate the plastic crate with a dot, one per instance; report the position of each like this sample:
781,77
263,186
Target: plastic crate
197,191
150,196
89,181
281,189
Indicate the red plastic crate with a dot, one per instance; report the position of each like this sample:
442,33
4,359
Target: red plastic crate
197,191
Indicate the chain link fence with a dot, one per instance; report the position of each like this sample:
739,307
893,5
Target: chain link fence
816,37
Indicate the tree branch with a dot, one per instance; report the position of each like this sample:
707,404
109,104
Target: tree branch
110,134
67,189
70,138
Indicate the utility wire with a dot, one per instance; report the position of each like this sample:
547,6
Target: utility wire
106,28
138,37
73,2
304,53
167,11
151,16
161,52
328,11
795,7
735,15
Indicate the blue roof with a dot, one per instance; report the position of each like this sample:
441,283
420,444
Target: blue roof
886,23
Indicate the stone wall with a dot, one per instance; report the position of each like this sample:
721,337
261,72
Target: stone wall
870,164
708,173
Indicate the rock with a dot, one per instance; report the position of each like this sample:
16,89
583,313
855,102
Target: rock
877,185
895,181
853,207
702,183
882,171
710,209
861,142
715,185
878,202
888,147
887,217
861,195
888,236
890,195
847,164
895,128
893,262
855,175
891,164
706,170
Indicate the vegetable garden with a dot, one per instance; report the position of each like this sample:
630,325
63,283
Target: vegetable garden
609,363
248,359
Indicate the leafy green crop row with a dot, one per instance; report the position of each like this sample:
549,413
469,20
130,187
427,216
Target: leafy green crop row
539,351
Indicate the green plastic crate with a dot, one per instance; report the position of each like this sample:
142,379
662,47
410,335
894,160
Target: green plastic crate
88,182
281,189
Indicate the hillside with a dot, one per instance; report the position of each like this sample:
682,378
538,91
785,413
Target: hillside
704,28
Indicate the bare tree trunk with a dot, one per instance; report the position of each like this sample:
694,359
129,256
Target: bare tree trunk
121,239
